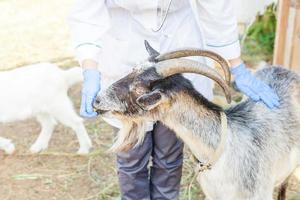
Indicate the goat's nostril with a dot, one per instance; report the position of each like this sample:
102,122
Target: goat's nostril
97,101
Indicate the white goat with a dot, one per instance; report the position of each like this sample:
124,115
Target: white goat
40,91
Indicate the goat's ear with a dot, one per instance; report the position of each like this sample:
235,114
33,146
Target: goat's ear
150,100
151,51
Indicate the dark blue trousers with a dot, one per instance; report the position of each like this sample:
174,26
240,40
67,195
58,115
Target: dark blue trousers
162,180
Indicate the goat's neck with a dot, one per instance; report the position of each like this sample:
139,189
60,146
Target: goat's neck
197,123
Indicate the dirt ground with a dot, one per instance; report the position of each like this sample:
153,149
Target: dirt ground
33,31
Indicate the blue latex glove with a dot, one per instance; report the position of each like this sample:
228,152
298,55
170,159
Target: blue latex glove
253,87
90,89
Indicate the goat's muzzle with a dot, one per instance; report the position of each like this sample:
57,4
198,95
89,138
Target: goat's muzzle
97,107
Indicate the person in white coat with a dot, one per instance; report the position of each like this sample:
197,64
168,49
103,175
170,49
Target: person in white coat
108,37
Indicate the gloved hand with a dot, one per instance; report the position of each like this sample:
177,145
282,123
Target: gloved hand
90,89
253,87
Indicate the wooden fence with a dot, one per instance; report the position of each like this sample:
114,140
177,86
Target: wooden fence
287,44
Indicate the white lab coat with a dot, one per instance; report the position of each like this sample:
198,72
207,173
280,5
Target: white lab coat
112,32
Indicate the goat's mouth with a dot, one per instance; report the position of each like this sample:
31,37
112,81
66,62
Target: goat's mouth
101,112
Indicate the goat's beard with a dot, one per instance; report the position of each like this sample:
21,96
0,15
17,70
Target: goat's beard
129,136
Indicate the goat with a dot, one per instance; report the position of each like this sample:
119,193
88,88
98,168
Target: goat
261,147
40,91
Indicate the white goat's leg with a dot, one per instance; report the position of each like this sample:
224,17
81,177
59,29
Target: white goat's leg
47,125
7,145
68,117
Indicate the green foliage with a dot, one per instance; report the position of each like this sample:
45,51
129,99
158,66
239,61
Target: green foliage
258,43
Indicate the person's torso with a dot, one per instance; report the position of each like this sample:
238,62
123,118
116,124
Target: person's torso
132,23
142,5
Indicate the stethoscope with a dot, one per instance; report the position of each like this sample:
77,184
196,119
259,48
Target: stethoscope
164,18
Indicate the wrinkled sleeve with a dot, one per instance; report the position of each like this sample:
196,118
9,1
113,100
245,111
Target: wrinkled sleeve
220,28
88,20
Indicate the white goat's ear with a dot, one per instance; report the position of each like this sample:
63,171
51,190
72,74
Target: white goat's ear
150,100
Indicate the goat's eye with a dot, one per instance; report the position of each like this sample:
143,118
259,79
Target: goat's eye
139,90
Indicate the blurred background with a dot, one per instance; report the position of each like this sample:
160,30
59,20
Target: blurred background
34,31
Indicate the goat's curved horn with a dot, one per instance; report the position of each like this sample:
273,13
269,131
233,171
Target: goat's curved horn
197,52
177,66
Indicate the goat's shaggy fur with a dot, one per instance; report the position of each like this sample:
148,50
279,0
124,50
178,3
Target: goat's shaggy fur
40,91
262,147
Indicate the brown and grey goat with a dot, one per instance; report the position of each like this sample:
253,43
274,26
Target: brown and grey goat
261,148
